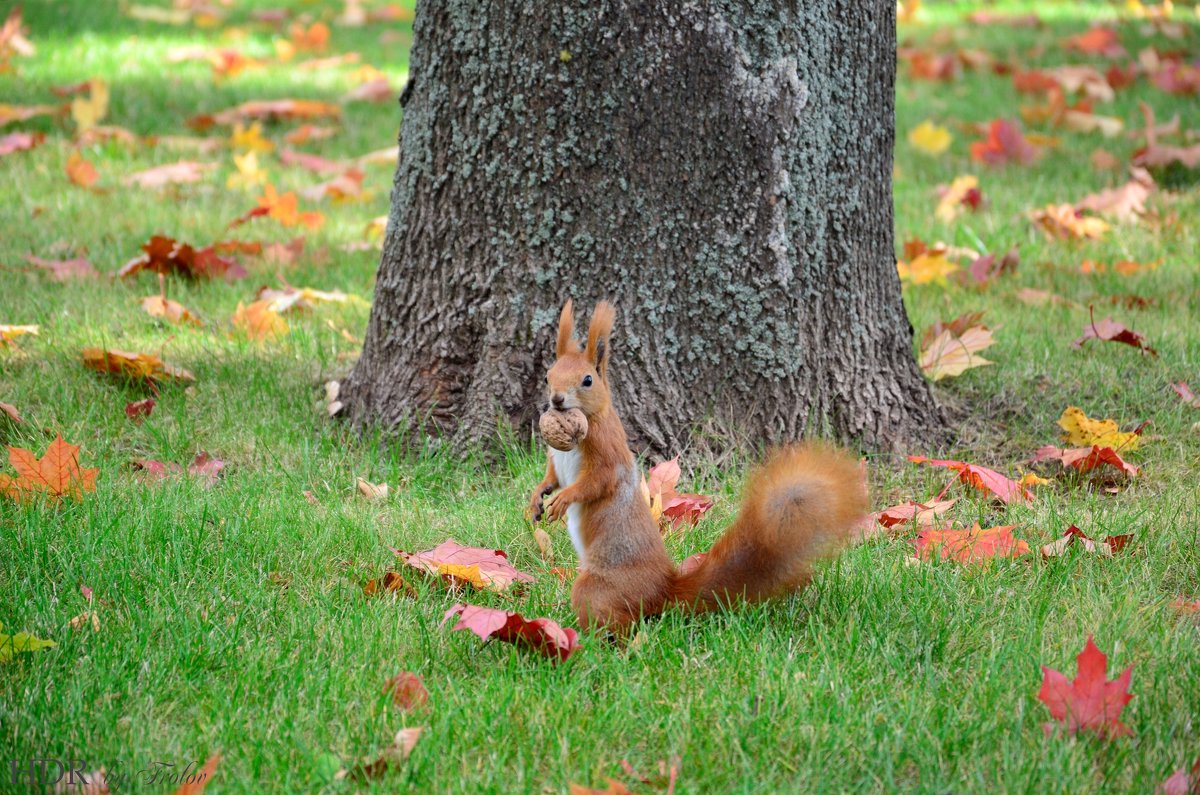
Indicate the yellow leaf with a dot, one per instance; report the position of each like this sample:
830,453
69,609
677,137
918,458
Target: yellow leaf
259,320
951,202
932,266
249,139
1079,430
88,112
1030,479
248,175
1064,221
930,138
9,333
470,574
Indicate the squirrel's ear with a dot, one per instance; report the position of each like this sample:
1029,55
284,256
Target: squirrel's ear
566,330
599,330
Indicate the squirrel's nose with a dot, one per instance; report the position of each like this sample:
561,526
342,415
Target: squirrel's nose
558,399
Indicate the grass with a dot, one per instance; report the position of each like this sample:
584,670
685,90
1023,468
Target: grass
233,620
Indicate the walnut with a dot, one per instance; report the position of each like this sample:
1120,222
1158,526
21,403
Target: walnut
563,429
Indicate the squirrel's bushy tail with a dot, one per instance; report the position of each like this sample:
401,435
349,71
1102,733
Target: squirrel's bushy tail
801,504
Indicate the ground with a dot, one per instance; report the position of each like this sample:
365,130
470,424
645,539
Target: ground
232,618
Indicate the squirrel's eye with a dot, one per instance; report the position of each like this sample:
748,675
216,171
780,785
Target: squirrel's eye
587,380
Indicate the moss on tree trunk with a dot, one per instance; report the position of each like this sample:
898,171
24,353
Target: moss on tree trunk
721,170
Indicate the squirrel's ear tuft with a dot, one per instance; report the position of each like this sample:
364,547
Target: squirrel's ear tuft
599,330
566,331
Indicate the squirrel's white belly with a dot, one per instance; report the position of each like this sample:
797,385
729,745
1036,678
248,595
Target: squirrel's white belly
566,466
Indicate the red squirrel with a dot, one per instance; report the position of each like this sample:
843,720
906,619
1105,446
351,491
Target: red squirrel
800,504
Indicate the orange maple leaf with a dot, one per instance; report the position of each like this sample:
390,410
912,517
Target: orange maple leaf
145,366
56,473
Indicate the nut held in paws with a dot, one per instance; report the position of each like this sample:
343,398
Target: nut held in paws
563,429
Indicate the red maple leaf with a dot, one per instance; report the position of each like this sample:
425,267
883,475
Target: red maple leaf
986,480
679,508
1089,702
542,634
970,545
1109,330
1004,144
407,691
1085,459
1182,782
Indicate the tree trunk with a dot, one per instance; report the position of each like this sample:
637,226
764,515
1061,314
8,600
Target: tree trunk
721,170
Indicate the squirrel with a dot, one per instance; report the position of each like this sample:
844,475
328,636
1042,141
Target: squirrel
800,504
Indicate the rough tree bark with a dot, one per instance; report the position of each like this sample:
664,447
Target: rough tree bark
721,170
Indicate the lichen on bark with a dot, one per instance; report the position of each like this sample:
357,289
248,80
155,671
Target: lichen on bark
721,170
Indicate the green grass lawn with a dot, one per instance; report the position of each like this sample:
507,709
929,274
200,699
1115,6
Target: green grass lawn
232,619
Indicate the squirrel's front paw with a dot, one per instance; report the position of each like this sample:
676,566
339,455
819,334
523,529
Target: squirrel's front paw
557,507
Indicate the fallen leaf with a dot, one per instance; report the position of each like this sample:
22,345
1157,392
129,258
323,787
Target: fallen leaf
269,110
930,138
372,491
249,139
139,409
379,90
143,366
1109,330
157,306
20,142
1033,297
988,267
164,256
678,508
483,568
962,192
1085,459
1186,607
927,267
85,618
183,172
88,111
66,269
21,643
1063,221
540,536
1126,202
1105,549
614,787
541,634
1004,144
989,481
259,321
56,474
10,333
390,583
920,514
342,188
1182,782
302,298
1186,394
1095,41
407,691
81,172
969,545
949,354
11,410
201,779
206,469
392,757
1154,155
1090,702
1080,430
282,208
314,163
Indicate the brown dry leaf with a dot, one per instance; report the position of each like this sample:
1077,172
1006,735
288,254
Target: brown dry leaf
259,321
390,583
81,172
1126,202
393,756
1063,221
269,110
144,366
202,778
1154,155
157,306
1028,295
11,411
407,691
63,270
372,491
85,618
1105,549
545,546
949,354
